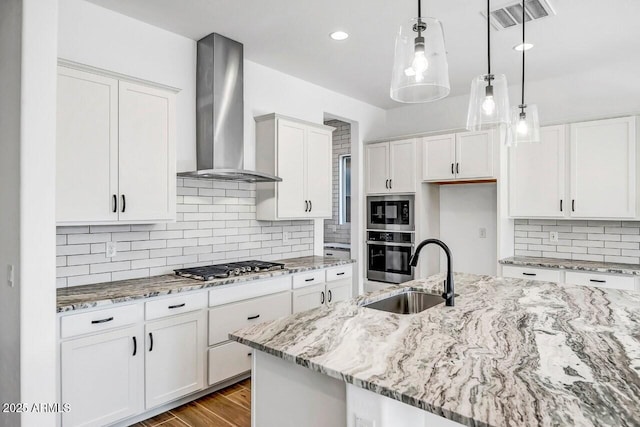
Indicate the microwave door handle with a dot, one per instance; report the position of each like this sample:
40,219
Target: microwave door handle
404,245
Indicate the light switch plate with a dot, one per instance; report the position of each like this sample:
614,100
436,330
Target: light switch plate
483,233
111,249
553,236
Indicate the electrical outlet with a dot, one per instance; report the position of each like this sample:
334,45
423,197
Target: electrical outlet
483,233
286,236
553,236
111,249
363,422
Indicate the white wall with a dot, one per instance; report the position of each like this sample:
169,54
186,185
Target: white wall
96,36
28,30
10,29
464,209
609,90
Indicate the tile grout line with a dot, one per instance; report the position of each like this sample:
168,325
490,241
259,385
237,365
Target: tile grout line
236,403
217,415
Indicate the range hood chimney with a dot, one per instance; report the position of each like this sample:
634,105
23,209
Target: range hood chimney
220,113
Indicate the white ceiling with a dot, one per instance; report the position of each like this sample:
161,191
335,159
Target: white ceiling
292,36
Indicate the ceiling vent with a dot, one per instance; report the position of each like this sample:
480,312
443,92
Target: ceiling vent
510,15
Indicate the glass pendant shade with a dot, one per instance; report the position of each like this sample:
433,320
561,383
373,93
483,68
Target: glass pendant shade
525,125
488,102
420,69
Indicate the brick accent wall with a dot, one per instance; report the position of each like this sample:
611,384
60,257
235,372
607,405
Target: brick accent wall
606,241
334,232
216,222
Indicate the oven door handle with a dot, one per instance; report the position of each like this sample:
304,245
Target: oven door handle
405,245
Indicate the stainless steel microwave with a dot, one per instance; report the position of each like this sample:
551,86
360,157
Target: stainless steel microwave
394,213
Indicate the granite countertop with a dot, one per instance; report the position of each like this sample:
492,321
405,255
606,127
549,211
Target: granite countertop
567,264
512,352
79,297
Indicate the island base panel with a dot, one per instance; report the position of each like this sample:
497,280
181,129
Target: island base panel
284,394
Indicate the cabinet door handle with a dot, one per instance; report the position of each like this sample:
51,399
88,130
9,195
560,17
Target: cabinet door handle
177,306
135,346
340,274
310,280
322,297
115,203
390,183
310,206
330,296
597,281
560,205
108,319
150,341
452,172
253,317
124,203
457,167
529,274
573,205
306,206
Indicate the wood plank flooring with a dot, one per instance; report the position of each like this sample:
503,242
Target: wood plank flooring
229,407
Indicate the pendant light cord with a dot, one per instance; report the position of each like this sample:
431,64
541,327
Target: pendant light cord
523,52
489,37
419,9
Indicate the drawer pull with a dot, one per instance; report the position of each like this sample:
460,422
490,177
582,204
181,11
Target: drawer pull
597,281
108,319
310,280
253,317
249,354
329,254
150,341
135,346
340,274
529,274
177,305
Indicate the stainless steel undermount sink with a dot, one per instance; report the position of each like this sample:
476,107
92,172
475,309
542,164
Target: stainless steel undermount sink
407,302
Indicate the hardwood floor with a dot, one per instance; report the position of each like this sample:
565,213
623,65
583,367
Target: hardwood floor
229,407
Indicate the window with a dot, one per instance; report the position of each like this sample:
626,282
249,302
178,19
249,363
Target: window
345,189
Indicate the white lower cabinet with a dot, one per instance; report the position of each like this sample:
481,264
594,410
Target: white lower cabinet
583,278
174,357
309,297
227,361
102,377
336,286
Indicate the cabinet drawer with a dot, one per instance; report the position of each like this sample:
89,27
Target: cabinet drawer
100,320
231,317
228,360
175,305
251,289
309,278
542,274
339,273
609,281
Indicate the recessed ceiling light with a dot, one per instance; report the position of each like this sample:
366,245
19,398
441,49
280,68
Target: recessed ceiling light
339,35
523,46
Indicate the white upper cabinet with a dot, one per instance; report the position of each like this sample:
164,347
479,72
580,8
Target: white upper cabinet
537,176
115,150
591,174
87,147
301,154
603,169
391,167
147,168
461,156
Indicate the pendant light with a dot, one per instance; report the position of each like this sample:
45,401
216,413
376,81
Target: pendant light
524,118
489,97
420,69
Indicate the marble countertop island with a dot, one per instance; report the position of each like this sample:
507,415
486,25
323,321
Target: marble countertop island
511,352
568,264
100,294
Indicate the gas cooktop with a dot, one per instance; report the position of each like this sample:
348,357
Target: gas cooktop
221,271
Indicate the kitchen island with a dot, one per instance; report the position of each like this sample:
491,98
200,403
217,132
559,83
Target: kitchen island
511,352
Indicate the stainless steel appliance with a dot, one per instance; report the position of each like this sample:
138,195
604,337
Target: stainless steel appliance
220,271
388,256
390,213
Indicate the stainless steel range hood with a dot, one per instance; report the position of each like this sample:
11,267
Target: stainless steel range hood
220,113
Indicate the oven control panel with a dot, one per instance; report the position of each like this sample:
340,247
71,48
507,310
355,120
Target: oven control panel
390,237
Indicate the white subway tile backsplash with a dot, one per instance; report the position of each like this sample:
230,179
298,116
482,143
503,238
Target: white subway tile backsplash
592,240
216,222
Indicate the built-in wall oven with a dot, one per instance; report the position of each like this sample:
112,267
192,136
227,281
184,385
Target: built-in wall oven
390,238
